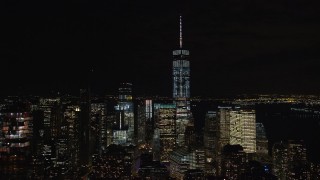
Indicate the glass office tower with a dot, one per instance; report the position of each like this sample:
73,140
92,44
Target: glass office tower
181,88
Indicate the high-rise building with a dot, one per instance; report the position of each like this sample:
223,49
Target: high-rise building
111,119
165,124
243,129
63,168
115,163
141,124
120,129
222,136
179,162
223,129
290,160
149,121
37,145
150,169
190,137
52,116
210,131
99,124
233,161
85,133
262,141
209,135
15,148
181,88
234,126
49,106
71,114
183,159
125,115
145,122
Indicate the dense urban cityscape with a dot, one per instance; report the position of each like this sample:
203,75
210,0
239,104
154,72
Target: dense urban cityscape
122,136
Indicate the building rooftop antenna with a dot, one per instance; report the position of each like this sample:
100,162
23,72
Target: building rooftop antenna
180,39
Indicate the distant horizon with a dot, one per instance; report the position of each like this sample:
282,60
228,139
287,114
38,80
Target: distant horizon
60,93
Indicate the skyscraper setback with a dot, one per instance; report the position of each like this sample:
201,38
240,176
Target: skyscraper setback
181,88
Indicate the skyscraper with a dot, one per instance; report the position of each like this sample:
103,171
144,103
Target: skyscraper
243,129
181,88
124,129
165,117
98,122
15,136
290,160
145,122
85,133
210,132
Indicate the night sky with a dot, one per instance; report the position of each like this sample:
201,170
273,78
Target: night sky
236,46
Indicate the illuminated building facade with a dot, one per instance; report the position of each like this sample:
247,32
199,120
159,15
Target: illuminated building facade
179,162
15,150
111,119
184,159
149,126
141,130
209,135
165,124
222,133
290,160
198,159
115,163
63,151
145,122
125,111
99,124
120,129
234,126
49,107
243,129
71,115
155,144
52,115
181,88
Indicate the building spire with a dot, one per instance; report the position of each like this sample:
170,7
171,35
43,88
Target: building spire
180,39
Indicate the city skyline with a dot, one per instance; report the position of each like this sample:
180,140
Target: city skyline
236,47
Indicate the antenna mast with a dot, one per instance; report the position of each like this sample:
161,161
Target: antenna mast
180,32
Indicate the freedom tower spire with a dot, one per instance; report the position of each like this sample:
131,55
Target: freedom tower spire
181,87
180,39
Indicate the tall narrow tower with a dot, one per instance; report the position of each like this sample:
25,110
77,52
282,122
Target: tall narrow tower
123,132
181,88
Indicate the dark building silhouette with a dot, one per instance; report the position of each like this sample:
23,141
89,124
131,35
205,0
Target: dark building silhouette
150,169
255,171
84,132
233,161
194,174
